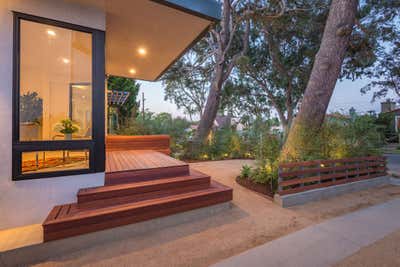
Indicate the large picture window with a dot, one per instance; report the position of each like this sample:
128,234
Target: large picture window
58,98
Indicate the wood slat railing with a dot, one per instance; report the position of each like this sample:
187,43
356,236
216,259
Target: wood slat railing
297,177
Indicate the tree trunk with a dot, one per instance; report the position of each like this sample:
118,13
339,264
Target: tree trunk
211,109
324,75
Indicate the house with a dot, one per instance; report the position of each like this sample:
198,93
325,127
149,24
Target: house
55,57
390,107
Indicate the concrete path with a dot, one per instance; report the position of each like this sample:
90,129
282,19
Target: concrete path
326,243
393,163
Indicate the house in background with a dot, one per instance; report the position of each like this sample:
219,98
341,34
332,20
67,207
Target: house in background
390,107
55,56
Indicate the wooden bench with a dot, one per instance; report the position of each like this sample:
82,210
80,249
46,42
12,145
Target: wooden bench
303,176
158,143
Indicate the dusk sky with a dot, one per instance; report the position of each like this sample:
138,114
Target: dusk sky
346,95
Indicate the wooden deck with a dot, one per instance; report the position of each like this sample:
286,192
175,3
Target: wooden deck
140,165
139,185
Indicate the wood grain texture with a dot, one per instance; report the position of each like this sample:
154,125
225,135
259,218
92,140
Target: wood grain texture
302,176
141,165
80,222
160,143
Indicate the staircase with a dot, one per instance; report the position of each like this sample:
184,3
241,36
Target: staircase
162,186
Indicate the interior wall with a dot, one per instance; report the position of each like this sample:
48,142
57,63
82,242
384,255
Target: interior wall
28,202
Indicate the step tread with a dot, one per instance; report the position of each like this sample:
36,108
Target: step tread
194,175
76,214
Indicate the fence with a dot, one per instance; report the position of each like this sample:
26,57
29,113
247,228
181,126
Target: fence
303,176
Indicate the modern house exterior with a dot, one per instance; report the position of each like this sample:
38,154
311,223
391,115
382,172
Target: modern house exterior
55,56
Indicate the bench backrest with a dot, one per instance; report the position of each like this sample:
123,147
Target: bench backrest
160,143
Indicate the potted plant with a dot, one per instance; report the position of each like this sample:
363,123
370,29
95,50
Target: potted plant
67,127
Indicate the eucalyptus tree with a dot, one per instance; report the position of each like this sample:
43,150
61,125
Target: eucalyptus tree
360,40
188,81
324,75
281,54
381,22
227,43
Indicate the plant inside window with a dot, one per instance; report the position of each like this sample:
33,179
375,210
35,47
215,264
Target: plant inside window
67,127
31,108
30,116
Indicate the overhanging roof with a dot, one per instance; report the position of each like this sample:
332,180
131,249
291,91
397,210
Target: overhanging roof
162,30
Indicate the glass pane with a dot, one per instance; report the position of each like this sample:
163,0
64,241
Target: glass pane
50,161
55,83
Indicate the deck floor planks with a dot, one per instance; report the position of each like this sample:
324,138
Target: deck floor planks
117,161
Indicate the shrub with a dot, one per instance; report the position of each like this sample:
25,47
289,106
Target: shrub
245,172
342,138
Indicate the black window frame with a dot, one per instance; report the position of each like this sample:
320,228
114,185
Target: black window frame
96,145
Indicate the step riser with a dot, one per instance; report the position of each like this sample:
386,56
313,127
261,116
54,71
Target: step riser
145,175
87,225
123,192
142,196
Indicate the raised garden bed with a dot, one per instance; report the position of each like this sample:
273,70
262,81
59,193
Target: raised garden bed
263,189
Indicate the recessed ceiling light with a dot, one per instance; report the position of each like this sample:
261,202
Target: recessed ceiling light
51,32
132,71
142,51
65,60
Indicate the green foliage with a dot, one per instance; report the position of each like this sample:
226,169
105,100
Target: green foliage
31,107
162,123
245,172
385,122
187,82
67,126
342,138
130,107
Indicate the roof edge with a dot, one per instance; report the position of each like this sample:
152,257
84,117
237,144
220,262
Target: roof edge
207,9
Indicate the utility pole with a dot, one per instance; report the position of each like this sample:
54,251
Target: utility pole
143,99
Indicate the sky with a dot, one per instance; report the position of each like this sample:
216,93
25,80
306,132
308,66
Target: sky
346,95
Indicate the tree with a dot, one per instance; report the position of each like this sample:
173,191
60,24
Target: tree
386,74
281,54
325,72
225,49
379,21
130,108
188,81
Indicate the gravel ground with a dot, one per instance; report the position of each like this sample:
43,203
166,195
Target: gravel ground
252,221
383,253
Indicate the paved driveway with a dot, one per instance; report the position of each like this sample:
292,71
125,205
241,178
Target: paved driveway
393,162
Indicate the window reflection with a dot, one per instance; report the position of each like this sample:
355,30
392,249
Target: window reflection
55,83
50,161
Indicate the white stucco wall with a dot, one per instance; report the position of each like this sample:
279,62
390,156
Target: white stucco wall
28,202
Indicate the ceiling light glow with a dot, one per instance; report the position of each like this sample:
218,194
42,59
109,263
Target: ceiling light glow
51,33
65,60
142,51
132,71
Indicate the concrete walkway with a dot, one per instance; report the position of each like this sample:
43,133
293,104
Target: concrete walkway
326,243
393,164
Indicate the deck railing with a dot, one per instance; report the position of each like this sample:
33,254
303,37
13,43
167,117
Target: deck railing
302,176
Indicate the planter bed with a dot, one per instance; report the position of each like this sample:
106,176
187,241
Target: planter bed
257,187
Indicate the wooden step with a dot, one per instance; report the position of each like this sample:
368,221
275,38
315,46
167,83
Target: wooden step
131,192
67,220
